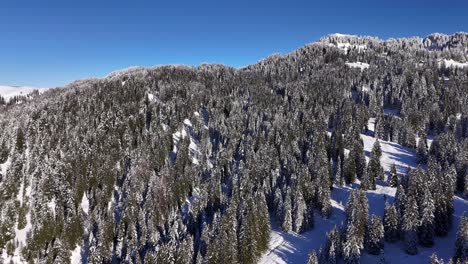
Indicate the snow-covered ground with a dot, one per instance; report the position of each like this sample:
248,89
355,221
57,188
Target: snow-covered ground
346,46
358,64
392,152
76,256
290,247
85,203
185,130
4,166
453,63
9,91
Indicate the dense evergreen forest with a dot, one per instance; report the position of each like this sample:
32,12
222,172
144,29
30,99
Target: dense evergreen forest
177,164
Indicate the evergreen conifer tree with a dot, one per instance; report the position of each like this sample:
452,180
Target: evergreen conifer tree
410,224
393,178
391,223
461,242
375,236
426,229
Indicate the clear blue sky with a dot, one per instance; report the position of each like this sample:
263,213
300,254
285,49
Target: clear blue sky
50,43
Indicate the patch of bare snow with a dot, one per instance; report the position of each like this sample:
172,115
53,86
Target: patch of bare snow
19,196
186,207
51,204
176,136
110,203
453,63
187,122
392,152
85,203
76,256
210,165
358,64
4,166
194,151
344,46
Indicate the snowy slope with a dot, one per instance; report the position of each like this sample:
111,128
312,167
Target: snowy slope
9,91
453,63
392,152
20,238
358,64
293,248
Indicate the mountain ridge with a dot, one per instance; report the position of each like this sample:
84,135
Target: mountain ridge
434,41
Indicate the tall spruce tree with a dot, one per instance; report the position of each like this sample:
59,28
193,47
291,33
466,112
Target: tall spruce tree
422,150
374,171
287,213
393,180
410,224
357,210
427,229
461,242
390,221
375,236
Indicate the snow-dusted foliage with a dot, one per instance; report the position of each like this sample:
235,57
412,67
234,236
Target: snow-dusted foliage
297,158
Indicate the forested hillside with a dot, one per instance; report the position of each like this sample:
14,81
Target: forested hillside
177,164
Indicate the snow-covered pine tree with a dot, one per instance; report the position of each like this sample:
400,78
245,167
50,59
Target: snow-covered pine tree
350,169
278,205
332,250
357,210
435,260
461,242
443,200
390,221
286,223
298,212
352,247
374,170
367,183
247,241
338,180
451,175
184,252
393,180
422,149
375,236
20,140
465,190
379,132
4,151
426,228
410,224
359,158
326,202
263,223
312,258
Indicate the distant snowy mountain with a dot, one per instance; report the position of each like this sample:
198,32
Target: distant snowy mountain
8,92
